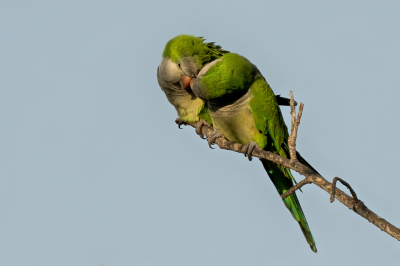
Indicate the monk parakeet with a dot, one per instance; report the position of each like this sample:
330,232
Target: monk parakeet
244,109
203,81
183,57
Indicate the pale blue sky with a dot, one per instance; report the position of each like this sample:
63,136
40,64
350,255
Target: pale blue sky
94,171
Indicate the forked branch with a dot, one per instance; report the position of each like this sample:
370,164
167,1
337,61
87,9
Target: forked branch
311,176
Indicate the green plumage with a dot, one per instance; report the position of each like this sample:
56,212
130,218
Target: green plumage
244,109
190,46
233,75
204,113
186,55
230,93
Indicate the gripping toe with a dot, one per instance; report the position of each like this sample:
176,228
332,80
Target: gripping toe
211,139
200,125
249,150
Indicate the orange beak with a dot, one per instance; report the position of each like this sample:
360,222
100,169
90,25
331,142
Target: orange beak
185,82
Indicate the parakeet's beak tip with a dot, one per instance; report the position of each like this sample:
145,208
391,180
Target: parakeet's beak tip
185,82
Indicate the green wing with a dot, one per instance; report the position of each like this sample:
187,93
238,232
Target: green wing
267,115
269,121
231,75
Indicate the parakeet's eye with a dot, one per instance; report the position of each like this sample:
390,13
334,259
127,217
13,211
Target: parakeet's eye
179,64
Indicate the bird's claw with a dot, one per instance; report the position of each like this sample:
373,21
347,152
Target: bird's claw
213,136
249,150
180,122
200,125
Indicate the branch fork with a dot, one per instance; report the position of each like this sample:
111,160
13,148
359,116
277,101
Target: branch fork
352,202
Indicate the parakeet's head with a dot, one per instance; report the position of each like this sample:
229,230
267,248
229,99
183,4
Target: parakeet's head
184,56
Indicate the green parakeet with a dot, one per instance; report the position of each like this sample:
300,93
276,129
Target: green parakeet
203,81
183,57
244,109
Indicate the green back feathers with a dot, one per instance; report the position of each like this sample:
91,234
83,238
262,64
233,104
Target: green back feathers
191,46
232,74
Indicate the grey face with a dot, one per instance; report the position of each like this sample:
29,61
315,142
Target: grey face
170,78
168,75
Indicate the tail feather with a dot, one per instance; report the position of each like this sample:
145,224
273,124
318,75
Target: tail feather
283,182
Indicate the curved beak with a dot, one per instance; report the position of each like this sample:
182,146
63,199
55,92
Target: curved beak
185,82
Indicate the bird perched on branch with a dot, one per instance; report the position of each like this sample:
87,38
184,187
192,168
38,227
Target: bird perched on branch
182,59
203,81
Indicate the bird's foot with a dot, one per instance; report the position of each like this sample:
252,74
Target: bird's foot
180,122
249,150
213,136
200,125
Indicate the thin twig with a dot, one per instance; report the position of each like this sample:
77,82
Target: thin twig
290,191
292,143
295,125
311,175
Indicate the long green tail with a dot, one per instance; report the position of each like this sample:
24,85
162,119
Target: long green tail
282,179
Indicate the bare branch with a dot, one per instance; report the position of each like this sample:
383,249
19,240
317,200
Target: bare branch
310,176
303,182
295,125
